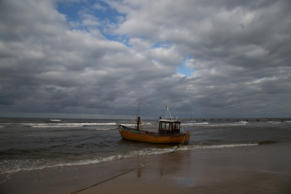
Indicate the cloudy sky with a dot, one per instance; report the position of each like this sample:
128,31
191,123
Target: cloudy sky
223,58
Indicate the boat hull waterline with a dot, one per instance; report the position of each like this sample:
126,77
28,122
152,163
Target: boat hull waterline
136,135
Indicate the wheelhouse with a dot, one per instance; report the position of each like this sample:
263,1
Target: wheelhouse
167,126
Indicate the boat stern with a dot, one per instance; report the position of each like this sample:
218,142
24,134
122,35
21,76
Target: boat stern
187,137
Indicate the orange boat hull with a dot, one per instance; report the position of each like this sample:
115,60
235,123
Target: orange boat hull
155,138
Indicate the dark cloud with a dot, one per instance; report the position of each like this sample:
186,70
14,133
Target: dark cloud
238,51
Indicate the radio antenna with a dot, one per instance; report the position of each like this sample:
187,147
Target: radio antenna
168,113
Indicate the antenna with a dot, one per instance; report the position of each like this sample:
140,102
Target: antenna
168,113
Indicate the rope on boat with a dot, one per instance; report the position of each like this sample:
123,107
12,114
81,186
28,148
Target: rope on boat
108,179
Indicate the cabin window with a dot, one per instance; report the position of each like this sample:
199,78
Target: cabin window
169,127
164,126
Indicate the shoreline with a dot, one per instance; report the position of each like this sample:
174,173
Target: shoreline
234,169
146,152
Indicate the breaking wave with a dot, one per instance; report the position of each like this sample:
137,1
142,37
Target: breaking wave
62,125
132,154
134,124
274,122
55,120
207,124
195,124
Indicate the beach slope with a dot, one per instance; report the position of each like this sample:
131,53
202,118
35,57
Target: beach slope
247,169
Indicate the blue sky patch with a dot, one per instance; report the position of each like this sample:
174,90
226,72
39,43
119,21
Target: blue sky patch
75,12
184,69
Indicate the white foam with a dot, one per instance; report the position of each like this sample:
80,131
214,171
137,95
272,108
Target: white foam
132,154
99,124
206,124
55,120
274,122
134,124
195,147
239,123
62,125
138,153
195,124
129,125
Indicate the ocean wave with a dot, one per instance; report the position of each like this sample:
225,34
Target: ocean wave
239,123
134,124
274,122
55,120
195,147
207,124
194,124
62,125
132,154
129,124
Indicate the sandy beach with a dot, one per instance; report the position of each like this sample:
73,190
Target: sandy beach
145,97
252,169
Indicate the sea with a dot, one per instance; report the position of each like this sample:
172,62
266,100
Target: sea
30,144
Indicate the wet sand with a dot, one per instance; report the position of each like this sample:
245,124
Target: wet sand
255,169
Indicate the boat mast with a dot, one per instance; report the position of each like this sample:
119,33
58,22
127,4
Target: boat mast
138,117
138,123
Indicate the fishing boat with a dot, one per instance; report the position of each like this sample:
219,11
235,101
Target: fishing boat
169,132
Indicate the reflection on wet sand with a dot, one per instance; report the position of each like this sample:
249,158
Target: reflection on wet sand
166,165
139,172
173,164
